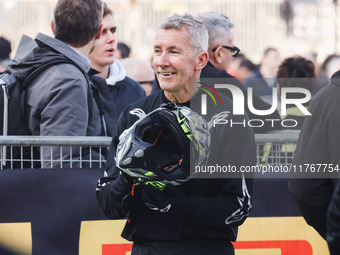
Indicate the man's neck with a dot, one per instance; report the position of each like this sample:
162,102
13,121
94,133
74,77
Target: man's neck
180,97
85,50
104,71
266,72
176,97
185,93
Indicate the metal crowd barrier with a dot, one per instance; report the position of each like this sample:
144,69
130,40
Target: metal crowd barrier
25,151
276,148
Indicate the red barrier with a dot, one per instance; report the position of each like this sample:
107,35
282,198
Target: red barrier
287,247
116,249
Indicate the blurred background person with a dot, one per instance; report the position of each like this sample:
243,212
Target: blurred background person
221,53
287,15
235,65
123,51
222,50
263,80
329,66
5,51
292,72
300,73
246,69
122,89
141,71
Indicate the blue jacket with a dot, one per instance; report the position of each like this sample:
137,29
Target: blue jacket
122,90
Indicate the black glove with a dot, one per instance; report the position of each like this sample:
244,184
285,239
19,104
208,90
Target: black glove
166,199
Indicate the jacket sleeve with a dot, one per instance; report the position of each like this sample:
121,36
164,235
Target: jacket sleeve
228,208
113,188
313,197
333,222
111,192
57,103
318,144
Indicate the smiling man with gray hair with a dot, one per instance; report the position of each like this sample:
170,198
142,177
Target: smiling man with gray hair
190,216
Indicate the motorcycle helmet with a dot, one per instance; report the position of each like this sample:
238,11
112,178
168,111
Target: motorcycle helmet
158,147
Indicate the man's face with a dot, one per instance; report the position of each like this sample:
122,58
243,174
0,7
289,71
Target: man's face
174,60
106,45
226,54
222,57
272,59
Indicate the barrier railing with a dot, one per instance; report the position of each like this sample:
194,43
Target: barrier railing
277,148
25,151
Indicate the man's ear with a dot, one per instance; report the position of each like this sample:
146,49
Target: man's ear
52,26
217,55
202,60
99,32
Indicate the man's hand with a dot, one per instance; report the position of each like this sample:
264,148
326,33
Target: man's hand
161,197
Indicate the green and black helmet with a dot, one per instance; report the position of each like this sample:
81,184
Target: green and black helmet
158,147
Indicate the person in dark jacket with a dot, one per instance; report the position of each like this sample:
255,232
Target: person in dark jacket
5,51
263,80
59,100
203,213
296,72
210,71
220,58
333,222
319,143
123,90
141,71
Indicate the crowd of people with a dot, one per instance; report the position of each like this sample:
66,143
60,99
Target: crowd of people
98,89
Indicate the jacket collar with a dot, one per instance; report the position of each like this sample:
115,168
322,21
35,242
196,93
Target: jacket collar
64,49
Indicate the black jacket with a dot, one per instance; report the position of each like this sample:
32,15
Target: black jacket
259,84
120,95
319,143
333,222
212,208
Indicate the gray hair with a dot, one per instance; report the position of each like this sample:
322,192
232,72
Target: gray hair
218,26
197,31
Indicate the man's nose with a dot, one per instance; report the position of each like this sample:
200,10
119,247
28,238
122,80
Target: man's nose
112,37
163,59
